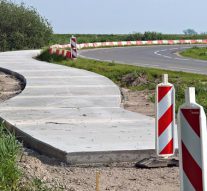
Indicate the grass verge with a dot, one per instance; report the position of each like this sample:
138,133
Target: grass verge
11,175
10,151
138,78
196,52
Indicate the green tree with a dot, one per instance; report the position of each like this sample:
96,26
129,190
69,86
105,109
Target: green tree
22,27
152,36
190,32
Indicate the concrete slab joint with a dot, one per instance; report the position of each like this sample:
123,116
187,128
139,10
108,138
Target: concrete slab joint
72,114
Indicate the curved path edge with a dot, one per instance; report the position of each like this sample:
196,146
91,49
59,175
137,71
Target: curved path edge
90,129
79,158
28,140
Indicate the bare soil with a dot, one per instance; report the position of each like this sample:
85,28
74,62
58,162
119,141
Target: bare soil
115,177
138,101
9,86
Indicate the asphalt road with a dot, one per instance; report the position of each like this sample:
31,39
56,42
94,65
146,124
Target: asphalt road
165,57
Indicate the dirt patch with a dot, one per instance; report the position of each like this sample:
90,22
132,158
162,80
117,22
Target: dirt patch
138,101
134,79
115,177
9,86
121,177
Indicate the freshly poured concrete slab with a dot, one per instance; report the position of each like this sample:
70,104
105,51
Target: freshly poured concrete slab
112,136
76,102
74,115
73,91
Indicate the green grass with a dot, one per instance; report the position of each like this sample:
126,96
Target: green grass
138,78
10,151
10,172
196,52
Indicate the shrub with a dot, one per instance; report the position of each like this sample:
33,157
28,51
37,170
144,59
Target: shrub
22,27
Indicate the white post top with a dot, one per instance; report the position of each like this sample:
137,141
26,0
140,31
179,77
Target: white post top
190,95
165,78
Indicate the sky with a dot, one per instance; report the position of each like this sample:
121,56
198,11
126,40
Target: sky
122,16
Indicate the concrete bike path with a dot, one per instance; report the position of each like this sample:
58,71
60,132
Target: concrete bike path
72,114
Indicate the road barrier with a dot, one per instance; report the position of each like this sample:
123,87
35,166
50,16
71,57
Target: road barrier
132,43
140,43
165,118
192,133
60,51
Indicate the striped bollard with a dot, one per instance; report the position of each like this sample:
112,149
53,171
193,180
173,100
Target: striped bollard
165,118
192,134
73,42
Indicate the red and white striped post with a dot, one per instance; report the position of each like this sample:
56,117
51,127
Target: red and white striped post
192,134
165,118
73,42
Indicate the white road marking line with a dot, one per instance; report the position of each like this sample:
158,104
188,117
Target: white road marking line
188,69
155,65
162,55
158,54
167,56
184,59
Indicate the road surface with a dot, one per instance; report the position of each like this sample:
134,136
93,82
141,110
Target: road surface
164,57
